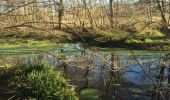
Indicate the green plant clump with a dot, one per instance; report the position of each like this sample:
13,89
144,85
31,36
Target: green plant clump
38,81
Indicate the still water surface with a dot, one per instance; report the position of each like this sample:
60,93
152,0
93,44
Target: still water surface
134,71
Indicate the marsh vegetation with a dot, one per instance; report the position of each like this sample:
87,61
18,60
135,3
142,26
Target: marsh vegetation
85,49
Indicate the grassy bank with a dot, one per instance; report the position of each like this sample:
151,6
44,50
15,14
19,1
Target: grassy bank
53,35
147,39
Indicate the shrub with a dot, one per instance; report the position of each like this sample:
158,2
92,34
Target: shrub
49,84
38,81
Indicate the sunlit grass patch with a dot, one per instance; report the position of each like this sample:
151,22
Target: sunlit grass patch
150,34
108,35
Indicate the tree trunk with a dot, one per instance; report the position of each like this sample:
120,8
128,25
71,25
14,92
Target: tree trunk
162,12
60,14
111,13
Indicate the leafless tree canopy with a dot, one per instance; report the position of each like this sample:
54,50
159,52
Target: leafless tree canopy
52,14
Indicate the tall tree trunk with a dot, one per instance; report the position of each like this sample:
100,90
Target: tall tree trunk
111,13
60,14
162,12
149,12
87,9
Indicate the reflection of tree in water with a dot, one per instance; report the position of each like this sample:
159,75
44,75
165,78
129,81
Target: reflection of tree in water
162,83
109,83
111,68
80,70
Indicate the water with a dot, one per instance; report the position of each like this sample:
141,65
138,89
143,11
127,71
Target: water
134,72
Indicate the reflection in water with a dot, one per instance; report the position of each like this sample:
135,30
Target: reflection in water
89,71
113,74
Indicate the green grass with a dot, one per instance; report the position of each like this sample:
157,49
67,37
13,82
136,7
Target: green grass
108,35
148,41
151,34
54,35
